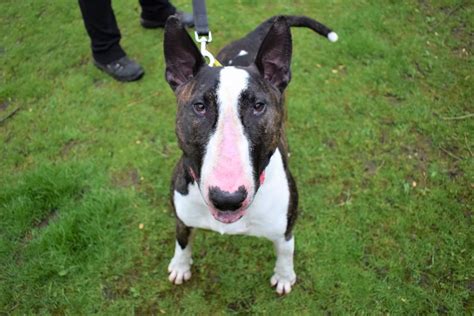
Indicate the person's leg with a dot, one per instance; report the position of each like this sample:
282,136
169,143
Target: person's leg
155,13
100,23
157,10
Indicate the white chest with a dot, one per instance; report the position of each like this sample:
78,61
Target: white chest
266,216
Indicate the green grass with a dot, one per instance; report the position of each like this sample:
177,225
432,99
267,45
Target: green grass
381,132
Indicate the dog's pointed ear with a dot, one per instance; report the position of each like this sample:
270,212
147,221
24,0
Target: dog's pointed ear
274,56
183,58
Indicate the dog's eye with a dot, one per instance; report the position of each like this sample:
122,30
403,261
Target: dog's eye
199,108
259,108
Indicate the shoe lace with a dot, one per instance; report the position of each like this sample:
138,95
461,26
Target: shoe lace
118,66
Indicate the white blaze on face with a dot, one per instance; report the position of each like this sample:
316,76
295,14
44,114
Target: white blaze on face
226,162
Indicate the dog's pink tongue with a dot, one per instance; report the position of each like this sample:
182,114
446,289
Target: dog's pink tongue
228,217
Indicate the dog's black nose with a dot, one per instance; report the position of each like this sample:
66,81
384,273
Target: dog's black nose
226,201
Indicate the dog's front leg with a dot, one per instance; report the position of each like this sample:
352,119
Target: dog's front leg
180,266
284,276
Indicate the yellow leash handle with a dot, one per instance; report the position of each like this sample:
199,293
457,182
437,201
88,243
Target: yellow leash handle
216,63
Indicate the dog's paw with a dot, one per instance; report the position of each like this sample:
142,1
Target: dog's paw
283,283
179,271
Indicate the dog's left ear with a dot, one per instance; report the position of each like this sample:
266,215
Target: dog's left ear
274,56
183,58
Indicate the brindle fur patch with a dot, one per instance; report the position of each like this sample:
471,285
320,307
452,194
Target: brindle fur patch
183,233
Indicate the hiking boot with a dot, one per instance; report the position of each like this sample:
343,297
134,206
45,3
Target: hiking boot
123,69
186,18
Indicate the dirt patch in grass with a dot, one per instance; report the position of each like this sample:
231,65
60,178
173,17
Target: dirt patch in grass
345,196
242,305
68,147
419,155
126,178
120,286
371,168
4,105
47,219
394,99
149,309
42,223
7,111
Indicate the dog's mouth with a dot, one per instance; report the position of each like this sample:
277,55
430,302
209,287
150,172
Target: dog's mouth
228,217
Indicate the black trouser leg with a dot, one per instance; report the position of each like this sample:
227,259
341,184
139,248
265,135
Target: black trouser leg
157,10
100,23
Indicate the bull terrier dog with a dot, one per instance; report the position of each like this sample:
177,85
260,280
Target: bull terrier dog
233,175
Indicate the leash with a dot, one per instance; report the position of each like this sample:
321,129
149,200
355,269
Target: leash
202,34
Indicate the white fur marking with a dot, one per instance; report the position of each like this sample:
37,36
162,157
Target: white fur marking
265,217
180,266
231,84
284,276
333,37
243,53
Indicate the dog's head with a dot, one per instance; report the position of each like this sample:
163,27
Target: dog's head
229,119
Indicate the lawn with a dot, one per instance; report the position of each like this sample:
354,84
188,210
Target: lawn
381,130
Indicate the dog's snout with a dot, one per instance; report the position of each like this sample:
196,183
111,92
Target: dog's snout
227,201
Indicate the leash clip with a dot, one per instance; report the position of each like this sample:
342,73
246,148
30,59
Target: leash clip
204,40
